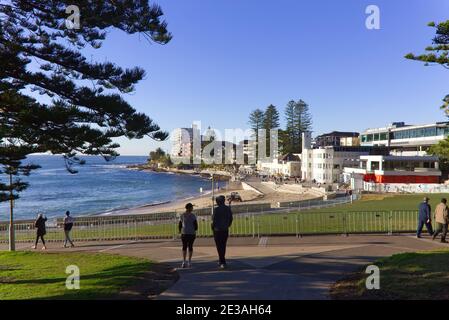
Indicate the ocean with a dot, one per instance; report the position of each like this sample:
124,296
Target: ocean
98,187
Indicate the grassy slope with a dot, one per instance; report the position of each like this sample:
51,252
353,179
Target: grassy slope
388,202
419,275
29,275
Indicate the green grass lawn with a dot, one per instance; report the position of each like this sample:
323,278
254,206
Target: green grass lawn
420,275
31,275
387,202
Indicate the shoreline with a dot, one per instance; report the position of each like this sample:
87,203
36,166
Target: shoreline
163,206
219,175
150,208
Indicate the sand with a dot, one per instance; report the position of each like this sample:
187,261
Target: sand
248,197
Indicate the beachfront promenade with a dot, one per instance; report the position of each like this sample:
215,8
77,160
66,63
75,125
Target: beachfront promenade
265,268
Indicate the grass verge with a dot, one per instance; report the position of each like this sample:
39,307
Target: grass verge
406,276
31,275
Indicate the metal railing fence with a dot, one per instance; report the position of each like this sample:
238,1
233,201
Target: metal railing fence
292,222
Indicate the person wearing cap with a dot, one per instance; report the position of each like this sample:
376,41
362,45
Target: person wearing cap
424,218
441,219
221,221
188,225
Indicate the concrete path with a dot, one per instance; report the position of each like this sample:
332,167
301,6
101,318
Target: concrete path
266,268
289,268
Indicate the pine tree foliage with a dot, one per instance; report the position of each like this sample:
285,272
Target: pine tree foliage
298,120
53,96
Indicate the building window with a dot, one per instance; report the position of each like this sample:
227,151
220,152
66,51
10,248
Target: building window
375,165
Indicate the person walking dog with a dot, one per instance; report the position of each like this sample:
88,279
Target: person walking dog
441,219
221,222
424,218
188,225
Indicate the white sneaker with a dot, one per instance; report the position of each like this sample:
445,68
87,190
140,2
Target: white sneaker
222,266
183,265
189,264
44,248
33,247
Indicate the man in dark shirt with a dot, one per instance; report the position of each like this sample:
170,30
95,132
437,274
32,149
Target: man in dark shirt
221,221
424,218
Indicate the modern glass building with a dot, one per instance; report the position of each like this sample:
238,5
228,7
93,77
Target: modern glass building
408,137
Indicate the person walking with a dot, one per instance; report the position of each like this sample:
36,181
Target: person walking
424,218
188,225
39,224
68,225
221,221
441,219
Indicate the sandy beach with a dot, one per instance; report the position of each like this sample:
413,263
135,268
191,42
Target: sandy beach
205,201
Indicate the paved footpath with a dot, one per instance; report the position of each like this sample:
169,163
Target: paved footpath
265,268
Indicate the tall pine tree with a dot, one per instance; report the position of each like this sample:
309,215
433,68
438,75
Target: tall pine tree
86,110
438,54
271,121
82,109
298,120
256,122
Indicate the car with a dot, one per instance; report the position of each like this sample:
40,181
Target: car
234,196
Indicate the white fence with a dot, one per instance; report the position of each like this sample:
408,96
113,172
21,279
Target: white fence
405,188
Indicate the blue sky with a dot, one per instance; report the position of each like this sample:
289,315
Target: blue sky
228,57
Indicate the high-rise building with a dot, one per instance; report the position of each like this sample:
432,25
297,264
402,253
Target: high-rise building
182,142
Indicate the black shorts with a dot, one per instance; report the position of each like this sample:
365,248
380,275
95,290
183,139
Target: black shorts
187,241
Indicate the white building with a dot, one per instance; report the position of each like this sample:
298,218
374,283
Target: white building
325,165
407,137
286,166
393,170
182,142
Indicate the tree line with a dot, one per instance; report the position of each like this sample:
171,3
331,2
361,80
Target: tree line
298,119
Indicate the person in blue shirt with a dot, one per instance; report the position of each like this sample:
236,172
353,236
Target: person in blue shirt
424,218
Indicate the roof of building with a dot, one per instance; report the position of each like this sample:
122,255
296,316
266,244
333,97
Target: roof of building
395,127
339,134
289,157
